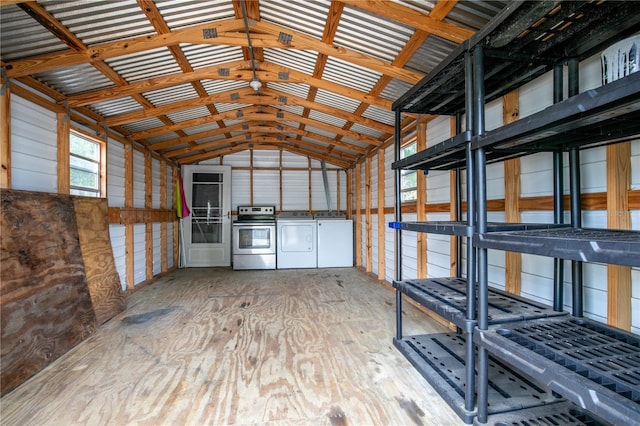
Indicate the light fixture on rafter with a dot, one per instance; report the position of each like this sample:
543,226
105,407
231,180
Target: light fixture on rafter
255,83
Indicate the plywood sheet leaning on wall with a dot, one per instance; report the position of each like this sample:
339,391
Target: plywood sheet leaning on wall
99,264
45,308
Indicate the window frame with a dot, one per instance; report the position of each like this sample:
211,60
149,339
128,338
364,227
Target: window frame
412,143
101,162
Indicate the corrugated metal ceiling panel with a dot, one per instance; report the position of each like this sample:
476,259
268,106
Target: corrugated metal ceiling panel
73,80
145,65
295,89
219,86
356,142
347,74
336,100
205,55
370,34
292,109
223,107
395,89
321,132
307,17
379,114
368,131
180,13
95,22
171,94
327,119
116,106
22,37
298,60
430,54
474,14
142,125
160,138
205,127
189,114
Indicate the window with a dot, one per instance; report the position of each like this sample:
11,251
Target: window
85,165
408,180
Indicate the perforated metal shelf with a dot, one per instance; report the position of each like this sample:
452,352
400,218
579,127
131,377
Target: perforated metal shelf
561,413
594,365
440,359
618,247
448,298
462,229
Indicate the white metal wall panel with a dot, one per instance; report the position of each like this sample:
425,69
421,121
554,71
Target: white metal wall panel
157,247
590,73
389,177
240,188
438,187
342,178
266,188
238,159
374,182
318,195
438,248
635,164
170,186
536,175
155,183
493,114
169,247
389,249
33,147
266,158
635,300
290,160
438,130
115,173
116,234
593,170
374,244
295,190
139,253
138,179
409,250
536,95
496,258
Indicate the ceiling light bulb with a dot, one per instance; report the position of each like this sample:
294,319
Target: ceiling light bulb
255,84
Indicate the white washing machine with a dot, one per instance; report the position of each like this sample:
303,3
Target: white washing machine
296,240
335,240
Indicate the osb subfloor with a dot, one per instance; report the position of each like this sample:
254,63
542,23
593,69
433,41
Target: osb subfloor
216,346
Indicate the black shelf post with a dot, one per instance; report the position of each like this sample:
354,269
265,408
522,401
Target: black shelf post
576,208
558,193
398,216
481,228
470,374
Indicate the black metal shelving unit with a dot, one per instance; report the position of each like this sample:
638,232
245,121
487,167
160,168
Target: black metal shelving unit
525,40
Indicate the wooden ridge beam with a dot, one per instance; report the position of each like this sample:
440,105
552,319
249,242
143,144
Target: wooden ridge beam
413,18
267,145
104,51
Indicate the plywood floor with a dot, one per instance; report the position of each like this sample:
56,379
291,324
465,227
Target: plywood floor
216,346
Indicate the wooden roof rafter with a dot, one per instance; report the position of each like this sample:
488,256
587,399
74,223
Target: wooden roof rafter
174,98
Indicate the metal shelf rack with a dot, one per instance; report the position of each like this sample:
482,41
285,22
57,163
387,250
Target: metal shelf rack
585,361
525,40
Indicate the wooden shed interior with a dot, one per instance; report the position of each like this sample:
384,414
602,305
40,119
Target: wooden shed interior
486,153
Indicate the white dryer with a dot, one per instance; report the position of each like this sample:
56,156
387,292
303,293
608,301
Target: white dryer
335,240
296,240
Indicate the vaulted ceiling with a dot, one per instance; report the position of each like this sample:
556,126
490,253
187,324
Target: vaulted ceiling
174,75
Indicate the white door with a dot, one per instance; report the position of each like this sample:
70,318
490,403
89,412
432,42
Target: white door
207,231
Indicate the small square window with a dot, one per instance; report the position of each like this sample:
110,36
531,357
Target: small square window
85,165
